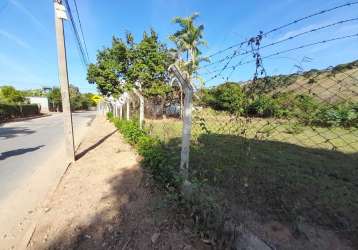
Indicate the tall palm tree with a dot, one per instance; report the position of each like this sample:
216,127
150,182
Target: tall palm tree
188,40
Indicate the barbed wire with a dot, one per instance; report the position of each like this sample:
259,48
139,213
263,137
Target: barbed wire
235,54
285,26
279,53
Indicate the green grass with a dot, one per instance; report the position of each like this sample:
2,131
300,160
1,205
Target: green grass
277,168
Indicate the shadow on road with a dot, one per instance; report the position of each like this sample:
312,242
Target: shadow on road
7,133
16,152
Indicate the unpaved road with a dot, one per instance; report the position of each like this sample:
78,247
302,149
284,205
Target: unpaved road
31,163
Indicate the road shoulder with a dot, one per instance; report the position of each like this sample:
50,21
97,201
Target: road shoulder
107,201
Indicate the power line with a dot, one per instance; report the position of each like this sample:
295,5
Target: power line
287,25
79,43
282,40
283,52
80,23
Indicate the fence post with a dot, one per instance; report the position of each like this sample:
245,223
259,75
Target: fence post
114,109
120,111
188,89
128,108
141,107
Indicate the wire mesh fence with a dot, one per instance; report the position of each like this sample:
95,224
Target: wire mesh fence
273,150
285,151
277,148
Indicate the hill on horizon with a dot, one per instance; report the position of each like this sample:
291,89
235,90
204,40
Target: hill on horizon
334,84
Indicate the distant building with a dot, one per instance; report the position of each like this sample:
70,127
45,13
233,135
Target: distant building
46,90
41,101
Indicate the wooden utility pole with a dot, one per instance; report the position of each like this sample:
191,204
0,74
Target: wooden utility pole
60,15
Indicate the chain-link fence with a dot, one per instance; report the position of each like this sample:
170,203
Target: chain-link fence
276,154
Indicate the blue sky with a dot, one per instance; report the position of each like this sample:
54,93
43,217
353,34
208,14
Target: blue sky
28,50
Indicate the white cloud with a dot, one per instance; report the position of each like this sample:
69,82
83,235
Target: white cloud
18,41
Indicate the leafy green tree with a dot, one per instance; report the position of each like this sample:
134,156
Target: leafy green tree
150,61
54,97
110,69
77,99
8,94
121,66
33,92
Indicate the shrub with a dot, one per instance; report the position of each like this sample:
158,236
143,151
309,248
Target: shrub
262,106
9,111
343,114
109,116
305,108
228,96
161,162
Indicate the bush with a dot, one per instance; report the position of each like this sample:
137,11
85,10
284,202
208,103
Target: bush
156,157
110,116
304,108
344,114
228,96
9,111
263,106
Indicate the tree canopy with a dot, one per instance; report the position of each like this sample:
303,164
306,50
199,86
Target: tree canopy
125,63
9,94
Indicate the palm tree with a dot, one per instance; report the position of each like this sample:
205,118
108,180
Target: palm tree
188,40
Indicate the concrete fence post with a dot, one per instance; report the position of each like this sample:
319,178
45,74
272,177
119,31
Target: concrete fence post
188,90
128,108
120,111
141,107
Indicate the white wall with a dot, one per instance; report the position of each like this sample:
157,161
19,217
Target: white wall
41,101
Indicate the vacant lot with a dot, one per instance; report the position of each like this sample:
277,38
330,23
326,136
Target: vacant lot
276,169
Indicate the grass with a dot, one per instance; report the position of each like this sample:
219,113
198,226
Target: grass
276,168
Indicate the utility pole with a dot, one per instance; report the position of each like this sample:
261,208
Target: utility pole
60,15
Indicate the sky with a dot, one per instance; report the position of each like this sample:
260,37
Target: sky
28,57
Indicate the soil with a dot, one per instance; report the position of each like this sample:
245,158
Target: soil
107,201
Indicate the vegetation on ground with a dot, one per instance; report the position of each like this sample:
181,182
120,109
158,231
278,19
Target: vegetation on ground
307,109
13,104
79,101
271,168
